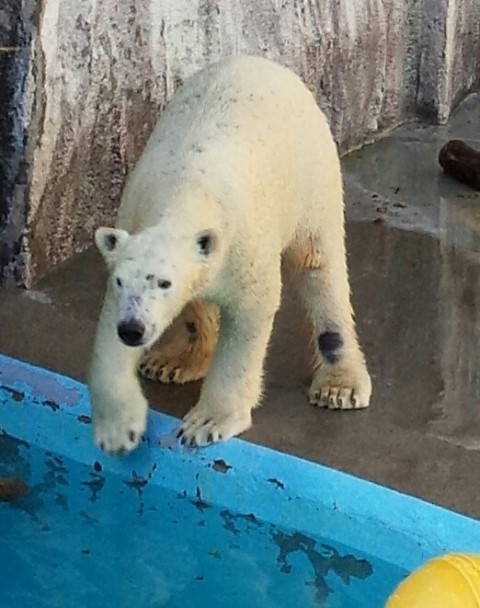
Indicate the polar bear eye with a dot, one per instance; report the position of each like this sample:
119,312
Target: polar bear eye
118,281
207,242
163,284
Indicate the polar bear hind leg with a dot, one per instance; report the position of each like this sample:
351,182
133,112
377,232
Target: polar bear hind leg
184,353
340,376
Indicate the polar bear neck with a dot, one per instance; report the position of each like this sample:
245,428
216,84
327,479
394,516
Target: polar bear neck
170,200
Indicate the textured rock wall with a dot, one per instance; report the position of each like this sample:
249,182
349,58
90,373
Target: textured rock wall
15,62
94,75
463,51
449,54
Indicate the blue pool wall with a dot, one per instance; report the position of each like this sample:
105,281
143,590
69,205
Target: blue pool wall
52,411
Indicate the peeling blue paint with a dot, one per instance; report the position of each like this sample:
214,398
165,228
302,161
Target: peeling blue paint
95,485
246,526
322,560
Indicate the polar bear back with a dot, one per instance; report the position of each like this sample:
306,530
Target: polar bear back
244,135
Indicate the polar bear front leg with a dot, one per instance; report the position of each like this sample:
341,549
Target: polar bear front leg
233,385
119,409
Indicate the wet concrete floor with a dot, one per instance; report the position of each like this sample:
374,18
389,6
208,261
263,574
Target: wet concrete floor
413,239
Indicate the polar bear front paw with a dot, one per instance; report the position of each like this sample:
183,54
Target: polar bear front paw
341,386
168,368
118,434
201,426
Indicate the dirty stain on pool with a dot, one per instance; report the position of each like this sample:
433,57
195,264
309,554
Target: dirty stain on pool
76,536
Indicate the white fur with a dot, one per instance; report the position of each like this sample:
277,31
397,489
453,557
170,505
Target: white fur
244,154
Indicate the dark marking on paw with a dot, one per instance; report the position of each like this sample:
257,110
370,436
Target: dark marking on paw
131,436
210,438
180,433
329,343
171,375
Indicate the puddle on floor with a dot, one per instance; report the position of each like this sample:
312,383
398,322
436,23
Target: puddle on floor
459,410
418,298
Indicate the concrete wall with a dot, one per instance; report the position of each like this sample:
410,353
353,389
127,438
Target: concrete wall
449,48
87,78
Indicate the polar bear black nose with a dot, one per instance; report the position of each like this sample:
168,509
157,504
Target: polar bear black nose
131,332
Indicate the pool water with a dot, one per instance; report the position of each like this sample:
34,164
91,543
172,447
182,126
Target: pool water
80,537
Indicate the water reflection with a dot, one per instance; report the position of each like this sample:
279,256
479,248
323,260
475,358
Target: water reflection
459,419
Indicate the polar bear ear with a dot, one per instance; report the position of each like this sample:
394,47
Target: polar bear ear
207,242
109,241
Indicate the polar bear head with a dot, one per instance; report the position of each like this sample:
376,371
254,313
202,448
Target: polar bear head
153,275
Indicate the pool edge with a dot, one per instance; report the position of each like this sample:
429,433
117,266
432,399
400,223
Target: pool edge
244,477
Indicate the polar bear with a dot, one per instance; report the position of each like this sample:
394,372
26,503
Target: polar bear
239,179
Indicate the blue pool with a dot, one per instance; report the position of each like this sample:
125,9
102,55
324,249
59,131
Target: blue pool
233,525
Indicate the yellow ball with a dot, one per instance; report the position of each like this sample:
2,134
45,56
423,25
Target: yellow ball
450,581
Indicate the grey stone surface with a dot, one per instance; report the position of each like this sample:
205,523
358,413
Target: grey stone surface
15,39
95,75
449,57
397,183
383,181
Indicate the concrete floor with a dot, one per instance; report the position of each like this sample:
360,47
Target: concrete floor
413,239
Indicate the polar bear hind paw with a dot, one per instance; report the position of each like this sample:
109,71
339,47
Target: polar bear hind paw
341,387
169,368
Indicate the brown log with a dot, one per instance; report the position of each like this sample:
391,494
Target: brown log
461,162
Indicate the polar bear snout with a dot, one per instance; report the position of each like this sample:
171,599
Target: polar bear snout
131,332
